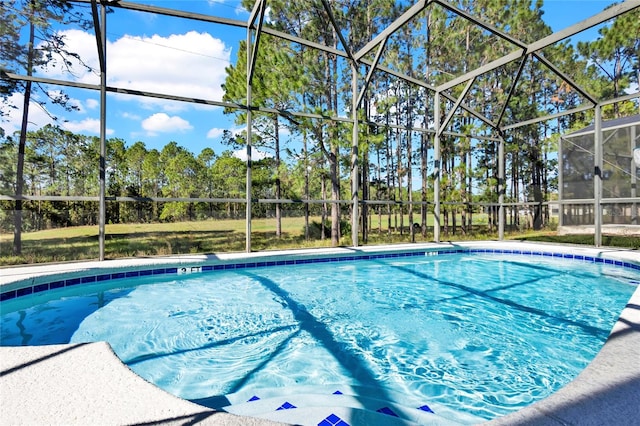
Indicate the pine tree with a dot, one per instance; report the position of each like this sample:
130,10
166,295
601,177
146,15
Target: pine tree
39,16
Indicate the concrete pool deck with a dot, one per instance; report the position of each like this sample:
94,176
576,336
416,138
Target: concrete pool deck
84,384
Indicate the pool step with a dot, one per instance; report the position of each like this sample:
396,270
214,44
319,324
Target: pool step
315,409
327,405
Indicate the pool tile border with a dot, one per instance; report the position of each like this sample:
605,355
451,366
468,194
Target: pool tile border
230,265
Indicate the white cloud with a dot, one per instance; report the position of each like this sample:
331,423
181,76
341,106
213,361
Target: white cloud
131,116
215,133
255,154
163,123
84,44
12,119
88,125
39,118
188,65
92,103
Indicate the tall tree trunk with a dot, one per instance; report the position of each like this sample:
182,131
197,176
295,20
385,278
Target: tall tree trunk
399,173
470,190
334,166
378,191
365,195
323,190
276,131
452,183
409,185
306,185
17,214
464,190
390,182
423,175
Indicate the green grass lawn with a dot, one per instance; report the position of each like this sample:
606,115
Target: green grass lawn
220,236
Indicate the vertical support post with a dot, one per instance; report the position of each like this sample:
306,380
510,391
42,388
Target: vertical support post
633,144
436,168
560,185
248,187
597,176
354,157
102,205
501,184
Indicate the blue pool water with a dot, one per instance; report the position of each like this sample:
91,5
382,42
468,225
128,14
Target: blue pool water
483,334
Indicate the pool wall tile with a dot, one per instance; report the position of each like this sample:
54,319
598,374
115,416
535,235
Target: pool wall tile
24,291
286,406
40,286
8,295
388,411
72,281
426,408
57,284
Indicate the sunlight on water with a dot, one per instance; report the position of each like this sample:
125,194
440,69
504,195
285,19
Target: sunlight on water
485,334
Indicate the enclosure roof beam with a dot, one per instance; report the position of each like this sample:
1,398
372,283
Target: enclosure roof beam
481,23
601,17
400,75
571,111
171,12
472,111
397,24
547,117
512,89
345,45
98,32
565,77
421,83
621,99
597,19
14,76
431,131
483,69
372,68
9,75
457,103
259,7
304,42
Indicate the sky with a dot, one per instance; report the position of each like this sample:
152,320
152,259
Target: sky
182,57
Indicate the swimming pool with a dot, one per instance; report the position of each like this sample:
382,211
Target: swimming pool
291,316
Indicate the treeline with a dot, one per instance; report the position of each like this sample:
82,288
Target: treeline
61,163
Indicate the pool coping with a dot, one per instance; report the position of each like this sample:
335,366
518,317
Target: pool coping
80,384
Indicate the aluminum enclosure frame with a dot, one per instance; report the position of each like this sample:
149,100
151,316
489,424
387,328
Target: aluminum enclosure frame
255,28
